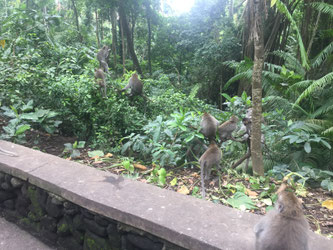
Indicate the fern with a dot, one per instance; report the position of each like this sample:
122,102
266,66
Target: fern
326,108
243,75
291,61
299,85
318,84
321,57
323,7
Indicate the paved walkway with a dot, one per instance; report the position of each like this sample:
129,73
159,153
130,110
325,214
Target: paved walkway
14,238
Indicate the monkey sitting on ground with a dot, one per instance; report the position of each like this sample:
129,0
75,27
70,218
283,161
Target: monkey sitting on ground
225,130
103,57
211,157
284,227
135,85
100,80
209,126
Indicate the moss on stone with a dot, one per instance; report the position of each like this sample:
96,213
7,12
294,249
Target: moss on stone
92,242
33,196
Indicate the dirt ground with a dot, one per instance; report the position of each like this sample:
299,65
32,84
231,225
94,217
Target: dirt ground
320,218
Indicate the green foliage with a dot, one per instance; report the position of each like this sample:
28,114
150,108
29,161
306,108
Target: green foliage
73,149
24,116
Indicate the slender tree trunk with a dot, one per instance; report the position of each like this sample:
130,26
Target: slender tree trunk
127,32
76,20
148,10
102,30
123,46
313,33
114,38
97,29
258,37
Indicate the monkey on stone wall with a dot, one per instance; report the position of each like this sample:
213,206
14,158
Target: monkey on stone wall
284,227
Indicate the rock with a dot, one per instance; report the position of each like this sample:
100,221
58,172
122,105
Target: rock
49,223
92,242
95,228
50,236
64,227
52,209
87,214
6,196
78,222
6,186
2,177
101,220
10,204
22,205
143,243
16,183
36,197
70,208
69,243
56,200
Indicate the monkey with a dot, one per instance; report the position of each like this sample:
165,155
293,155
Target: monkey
8,153
225,130
135,84
103,57
100,80
211,157
209,126
284,227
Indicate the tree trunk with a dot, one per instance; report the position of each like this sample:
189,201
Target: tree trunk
114,38
76,17
258,38
97,29
148,10
127,32
122,46
313,33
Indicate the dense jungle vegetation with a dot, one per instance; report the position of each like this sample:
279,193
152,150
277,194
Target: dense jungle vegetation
190,63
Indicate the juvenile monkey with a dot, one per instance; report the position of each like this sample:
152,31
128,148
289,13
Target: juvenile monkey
284,227
211,157
135,84
225,130
100,80
103,57
208,126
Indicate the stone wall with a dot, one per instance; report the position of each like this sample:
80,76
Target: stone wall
77,206
66,225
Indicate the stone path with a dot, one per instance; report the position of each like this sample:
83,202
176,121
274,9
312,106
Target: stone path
14,238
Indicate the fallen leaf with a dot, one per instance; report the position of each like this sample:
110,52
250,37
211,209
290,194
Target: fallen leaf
108,155
195,175
183,190
139,166
250,193
328,204
97,162
94,157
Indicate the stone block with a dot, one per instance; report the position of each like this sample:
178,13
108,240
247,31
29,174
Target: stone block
92,242
93,227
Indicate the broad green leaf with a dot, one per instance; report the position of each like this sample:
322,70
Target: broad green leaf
21,129
241,200
95,153
307,147
81,144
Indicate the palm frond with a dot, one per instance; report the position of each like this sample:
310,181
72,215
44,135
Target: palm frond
323,7
317,84
232,64
318,124
321,57
284,10
272,67
326,108
328,131
243,75
299,85
290,61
